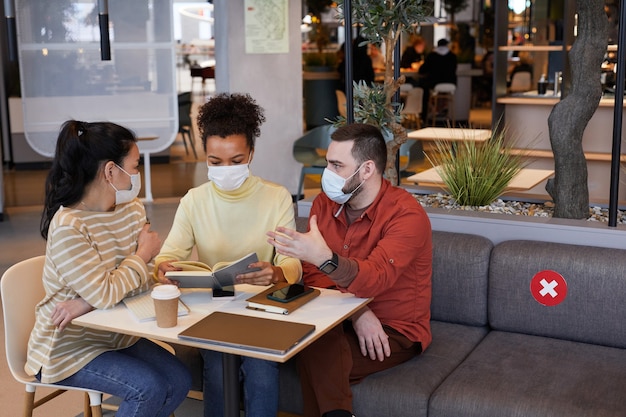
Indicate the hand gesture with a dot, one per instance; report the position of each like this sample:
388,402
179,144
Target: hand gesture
148,243
310,247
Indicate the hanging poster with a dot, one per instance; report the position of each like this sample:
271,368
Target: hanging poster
266,26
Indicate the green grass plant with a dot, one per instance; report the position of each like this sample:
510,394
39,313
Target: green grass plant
476,174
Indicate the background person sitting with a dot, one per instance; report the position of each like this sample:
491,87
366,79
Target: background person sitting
412,56
438,67
413,53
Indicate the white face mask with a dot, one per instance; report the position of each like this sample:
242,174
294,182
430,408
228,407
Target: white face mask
126,196
333,184
228,177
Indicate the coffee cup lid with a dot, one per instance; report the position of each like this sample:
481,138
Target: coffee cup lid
165,292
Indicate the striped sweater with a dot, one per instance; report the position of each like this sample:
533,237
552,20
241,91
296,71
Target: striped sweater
89,255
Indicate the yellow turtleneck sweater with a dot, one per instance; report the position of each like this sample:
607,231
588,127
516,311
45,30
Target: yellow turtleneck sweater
226,225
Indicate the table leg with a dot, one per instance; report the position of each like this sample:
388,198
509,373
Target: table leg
231,364
147,177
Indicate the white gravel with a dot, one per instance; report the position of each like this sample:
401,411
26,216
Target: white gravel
515,208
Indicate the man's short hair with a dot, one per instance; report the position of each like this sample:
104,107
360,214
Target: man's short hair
369,143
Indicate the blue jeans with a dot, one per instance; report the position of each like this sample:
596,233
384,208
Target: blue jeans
260,385
150,381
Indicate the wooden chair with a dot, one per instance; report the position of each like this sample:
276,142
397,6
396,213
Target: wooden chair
341,103
185,127
196,71
22,289
441,103
413,109
520,82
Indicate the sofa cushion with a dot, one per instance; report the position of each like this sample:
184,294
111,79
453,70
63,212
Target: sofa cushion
593,310
517,375
460,278
405,389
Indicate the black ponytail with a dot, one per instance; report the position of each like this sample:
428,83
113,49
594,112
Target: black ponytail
81,148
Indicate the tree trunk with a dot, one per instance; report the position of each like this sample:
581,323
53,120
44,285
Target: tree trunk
570,116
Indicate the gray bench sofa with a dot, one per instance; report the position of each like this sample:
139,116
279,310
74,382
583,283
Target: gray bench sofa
498,352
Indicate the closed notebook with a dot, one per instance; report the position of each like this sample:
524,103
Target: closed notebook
261,302
255,333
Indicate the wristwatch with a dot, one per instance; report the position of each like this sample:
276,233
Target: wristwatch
330,265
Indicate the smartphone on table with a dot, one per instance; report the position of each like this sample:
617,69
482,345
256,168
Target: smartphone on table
289,293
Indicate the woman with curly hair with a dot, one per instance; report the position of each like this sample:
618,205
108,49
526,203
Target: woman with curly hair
225,219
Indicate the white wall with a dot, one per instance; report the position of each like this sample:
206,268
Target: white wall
273,80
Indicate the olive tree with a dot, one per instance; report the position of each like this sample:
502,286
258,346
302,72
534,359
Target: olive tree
382,22
570,116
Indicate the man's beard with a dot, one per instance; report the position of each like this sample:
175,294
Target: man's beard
352,186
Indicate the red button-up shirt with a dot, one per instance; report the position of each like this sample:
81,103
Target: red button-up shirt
392,245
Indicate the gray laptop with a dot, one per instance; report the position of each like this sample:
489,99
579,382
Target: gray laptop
255,333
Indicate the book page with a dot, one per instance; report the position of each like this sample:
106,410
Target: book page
192,266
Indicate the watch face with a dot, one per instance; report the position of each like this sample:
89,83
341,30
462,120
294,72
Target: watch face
328,267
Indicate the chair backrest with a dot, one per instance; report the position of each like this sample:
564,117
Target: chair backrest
184,109
447,88
305,149
341,103
21,288
521,81
406,87
414,101
405,154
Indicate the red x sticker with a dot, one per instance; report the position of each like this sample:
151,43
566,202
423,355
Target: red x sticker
548,288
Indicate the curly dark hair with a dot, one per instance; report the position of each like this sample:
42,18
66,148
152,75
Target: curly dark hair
231,114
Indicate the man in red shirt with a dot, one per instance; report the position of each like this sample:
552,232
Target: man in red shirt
371,239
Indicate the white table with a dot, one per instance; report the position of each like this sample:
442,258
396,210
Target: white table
525,179
325,312
450,134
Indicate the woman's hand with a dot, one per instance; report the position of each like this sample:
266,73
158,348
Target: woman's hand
66,311
148,244
268,274
163,268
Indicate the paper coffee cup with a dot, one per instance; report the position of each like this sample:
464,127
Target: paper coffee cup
166,304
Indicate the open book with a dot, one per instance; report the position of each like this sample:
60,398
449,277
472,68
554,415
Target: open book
197,274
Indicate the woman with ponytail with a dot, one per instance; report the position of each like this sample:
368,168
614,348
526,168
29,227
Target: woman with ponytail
99,250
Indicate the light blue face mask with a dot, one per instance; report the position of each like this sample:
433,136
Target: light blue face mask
333,184
126,196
